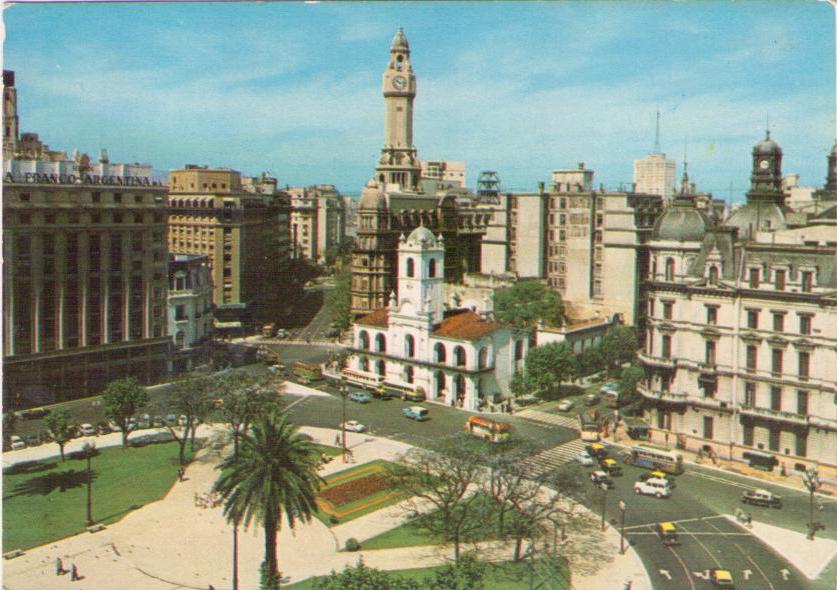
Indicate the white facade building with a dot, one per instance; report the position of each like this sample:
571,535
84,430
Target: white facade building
655,175
457,357
189,309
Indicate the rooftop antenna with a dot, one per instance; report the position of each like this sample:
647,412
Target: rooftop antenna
657,135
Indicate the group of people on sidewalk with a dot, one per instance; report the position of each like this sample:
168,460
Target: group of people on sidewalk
60,571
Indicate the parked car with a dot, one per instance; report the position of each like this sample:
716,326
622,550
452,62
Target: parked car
596,450
610,466
353,426
17,443
565,406
600,478
721,579
526,400
34,413
87,429
32,440
360,397
760,497
584,458
103,427
416,413
658,488
591,399
281,333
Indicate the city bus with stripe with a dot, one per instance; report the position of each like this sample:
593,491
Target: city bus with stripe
487,429
653,458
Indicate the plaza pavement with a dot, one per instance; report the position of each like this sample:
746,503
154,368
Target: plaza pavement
174,543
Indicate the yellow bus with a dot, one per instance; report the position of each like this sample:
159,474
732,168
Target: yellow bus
487,429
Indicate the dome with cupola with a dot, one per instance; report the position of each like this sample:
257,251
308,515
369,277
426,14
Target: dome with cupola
767,146
372,196
682,222
422,235
400,41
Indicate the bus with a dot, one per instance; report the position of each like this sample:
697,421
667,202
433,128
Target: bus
307,372
487,429
408,395
652,458
365,380
589,426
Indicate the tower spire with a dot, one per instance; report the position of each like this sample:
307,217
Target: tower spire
657,149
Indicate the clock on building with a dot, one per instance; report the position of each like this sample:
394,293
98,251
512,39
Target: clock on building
399,82
764,164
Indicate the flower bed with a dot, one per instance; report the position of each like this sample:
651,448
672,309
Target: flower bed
355,489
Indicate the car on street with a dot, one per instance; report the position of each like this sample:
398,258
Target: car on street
32,440
17,442
658,488
596,450
281,333
416,413
353,426
591,399
584,458
600,478
667,531
659,475
87,429
610,466
103,427
759,497
721,579
360,397
565,406
34,413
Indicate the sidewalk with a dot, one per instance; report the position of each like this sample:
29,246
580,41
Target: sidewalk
173,543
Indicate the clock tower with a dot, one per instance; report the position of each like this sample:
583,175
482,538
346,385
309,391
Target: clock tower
399,162
766,176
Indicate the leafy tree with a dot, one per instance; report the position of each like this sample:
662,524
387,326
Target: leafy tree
522,384
441,481
9,423
590,360
60,428
548,366
339,299
363,577
619,346
243,398
275,473
527,302
121,401
628,379
466,574
189,401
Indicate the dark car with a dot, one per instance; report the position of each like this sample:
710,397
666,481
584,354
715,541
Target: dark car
596,450
34,413
761,498
600,478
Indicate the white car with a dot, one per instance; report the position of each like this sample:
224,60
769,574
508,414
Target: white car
88,430
17,443
656,487
584,458
565,406
353,426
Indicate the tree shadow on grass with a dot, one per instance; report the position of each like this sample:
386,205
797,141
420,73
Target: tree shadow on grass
29,467
43,485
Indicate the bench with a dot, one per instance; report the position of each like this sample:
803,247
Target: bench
95,528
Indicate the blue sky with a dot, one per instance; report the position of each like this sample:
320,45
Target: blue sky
520,88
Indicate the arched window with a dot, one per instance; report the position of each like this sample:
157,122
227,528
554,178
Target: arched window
431,268
364,364
409,346
440,383
459,356
482,358
381,368
411,267
439,354
364,340
408,374
669,269
459,386
713,275
380,343
518,350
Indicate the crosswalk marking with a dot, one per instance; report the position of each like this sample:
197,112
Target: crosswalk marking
548,418
550,459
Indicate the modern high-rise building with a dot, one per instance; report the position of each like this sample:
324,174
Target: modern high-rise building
655,174
244,234
392,203
741,345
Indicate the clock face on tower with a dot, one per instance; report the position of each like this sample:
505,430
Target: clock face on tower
399,82
764,164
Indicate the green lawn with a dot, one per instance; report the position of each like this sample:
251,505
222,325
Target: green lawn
412,534
362,505
498,576
46,500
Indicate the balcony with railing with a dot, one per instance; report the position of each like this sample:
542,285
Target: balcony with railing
656,361
666,396
759,412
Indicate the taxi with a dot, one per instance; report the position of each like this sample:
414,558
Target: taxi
596,450
721,579
667,531
610,466
657,474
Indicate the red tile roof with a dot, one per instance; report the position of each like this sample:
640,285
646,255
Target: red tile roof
378,318
465,326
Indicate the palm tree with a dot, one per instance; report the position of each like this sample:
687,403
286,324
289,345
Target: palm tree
275,472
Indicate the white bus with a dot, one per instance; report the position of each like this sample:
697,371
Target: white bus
653,458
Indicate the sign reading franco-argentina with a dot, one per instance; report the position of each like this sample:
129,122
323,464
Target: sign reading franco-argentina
93,179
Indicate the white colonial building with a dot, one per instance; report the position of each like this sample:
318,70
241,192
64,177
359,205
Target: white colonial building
457,357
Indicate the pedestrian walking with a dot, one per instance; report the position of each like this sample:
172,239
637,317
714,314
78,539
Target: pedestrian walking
59,567
74,574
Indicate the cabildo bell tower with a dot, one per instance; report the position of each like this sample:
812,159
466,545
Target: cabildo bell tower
399,162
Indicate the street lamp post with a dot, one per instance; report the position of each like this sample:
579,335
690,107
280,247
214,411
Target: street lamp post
604,503
89,448
344,391
811,479
622,508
